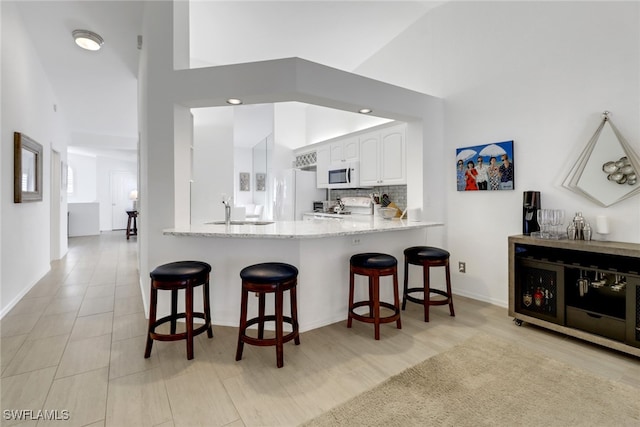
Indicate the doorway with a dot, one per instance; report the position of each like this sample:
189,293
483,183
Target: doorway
55,223
122,184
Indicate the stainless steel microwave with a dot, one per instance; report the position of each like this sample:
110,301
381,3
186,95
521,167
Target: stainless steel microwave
344,175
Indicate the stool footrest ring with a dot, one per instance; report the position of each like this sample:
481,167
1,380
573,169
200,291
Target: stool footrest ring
268,341
431,301
181,335
370,319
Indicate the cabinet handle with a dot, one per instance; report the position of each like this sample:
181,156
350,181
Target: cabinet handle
594,315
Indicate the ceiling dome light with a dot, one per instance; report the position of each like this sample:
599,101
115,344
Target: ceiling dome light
234,101
87,39
365,111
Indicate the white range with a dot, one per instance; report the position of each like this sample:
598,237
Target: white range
355,208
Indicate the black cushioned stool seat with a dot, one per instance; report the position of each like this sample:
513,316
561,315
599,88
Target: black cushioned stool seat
174,277
427,257
374,265
276,278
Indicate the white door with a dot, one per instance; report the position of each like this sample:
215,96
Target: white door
122,184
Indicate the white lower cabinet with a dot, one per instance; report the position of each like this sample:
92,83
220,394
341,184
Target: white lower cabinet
383,157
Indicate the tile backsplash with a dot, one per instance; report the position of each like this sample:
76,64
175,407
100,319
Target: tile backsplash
397,193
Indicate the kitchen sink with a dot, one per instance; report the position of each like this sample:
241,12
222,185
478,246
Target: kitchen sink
242,222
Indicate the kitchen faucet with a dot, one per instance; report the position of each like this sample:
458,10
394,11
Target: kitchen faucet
226,201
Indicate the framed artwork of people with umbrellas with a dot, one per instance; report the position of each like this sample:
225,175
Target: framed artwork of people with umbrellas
488,167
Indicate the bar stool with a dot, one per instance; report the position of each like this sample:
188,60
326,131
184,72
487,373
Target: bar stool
427,257
174,277
262,279
132,219
374,265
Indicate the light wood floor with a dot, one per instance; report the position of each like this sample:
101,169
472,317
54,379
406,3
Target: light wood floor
75,342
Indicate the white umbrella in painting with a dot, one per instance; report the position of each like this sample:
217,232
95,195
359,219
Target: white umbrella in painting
492,150
466,154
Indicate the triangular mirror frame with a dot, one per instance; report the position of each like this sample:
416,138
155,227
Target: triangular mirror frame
587,176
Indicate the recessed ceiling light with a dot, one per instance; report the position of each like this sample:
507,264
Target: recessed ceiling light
365,111
87,39
234,101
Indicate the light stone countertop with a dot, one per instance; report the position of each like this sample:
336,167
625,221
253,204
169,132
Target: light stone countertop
309,229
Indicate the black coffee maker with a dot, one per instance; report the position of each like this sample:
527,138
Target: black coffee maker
530,208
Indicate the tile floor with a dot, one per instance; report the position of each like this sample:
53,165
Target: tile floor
75,343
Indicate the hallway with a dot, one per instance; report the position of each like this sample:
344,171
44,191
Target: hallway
75,343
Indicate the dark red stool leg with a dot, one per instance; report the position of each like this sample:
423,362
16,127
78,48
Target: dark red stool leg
243,323
279,329
427,291
153,302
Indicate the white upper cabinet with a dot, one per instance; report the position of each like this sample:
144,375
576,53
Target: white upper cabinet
369,160
337,151
344,150
393,158
323,159
381,153
383,157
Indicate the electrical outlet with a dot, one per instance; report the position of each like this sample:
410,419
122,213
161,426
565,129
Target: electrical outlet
355,241
462,267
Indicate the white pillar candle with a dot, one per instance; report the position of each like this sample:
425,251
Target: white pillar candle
602,224
414,214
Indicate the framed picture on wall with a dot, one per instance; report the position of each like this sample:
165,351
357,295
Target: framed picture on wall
486,167
245,181
261,179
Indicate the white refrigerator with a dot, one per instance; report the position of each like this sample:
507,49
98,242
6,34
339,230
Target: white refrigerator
295,192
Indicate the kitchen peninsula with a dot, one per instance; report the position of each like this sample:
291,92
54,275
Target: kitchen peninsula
320,249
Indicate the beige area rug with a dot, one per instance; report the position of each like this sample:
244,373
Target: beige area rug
486,381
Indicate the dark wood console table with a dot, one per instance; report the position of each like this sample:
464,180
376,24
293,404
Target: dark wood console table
588,290
132,220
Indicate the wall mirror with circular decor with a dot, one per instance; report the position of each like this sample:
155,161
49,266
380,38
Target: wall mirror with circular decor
606,171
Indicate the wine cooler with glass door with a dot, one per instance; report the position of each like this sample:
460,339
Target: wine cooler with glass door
539,290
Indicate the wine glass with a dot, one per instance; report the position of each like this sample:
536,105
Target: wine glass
557,220
545,222
540,218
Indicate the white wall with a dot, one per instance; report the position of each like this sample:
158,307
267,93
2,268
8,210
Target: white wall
252,125
183,137
540,73
290,124
213,164
84,219
323,123
84,176
2,169
27,106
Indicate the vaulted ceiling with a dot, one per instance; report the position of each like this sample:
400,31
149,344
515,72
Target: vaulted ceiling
97,91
